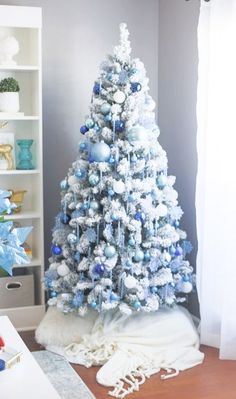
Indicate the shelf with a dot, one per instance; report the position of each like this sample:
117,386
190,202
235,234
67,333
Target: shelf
23,215
33,263
19,172
19,118
25,318
24,68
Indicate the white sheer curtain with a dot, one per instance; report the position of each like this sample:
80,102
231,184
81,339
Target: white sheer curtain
216,179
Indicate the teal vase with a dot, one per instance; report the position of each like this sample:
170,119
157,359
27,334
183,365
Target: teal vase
24,155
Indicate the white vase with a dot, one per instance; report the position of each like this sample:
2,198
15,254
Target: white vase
9,102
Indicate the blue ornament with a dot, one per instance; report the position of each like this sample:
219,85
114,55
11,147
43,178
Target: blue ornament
114,217
56,250
97,128
99,269
154,290
133,71
80,173
123,77
112,160
93,305
65,218
84,129
186,277
109,76
119,126
134,158
94,205
114,297
83,146
77,256
111,192
90,159
136,133
53,294
131,198
64,184
178,251
136,305
85,205
100,152
140,216
131,242
176,223
108,118
172,250
96,88
128,263
105,108
89,123
72,239
93,179
135,86
147,256
161,181
77,300
138,256
109,251
2,364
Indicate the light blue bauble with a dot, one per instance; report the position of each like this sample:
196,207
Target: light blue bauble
100,152
93,179
105,108
161,180
128,263
64,185
138,256
154,290
109,251
114,297
80,173
136,133
111,192
72,238
131,242
89,123
94,205
136,305
108,118
93,305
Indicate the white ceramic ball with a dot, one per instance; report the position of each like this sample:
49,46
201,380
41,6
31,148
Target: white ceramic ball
186,287
63,270
72,180
119,186
130,282
119,97
162,210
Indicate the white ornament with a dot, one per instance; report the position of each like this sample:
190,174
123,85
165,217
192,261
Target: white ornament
9,47
130,282
161,210
63,270
119,97
118,186
72,180
186,287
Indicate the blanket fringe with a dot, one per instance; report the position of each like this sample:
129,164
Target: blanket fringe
134,380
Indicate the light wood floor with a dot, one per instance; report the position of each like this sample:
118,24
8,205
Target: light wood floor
214,379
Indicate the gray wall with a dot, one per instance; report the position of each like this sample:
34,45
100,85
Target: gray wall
77,34
177,93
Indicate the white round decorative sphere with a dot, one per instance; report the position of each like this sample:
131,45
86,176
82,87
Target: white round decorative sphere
119,97
119,186
72,180
100,152
186,287
63,270
130,282
162,210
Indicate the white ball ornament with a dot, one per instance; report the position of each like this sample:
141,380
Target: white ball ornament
100,152
119,97
119,186
130,282
186,287
161,210
72,180
63,270
109,251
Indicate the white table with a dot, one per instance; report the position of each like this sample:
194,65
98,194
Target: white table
26,379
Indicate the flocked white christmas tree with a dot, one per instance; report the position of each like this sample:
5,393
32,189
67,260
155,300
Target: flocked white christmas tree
116,240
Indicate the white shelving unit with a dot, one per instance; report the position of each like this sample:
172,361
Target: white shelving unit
24,23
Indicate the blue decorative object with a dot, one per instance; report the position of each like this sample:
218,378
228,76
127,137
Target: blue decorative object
53,294
56,250
2,364
108,118
112,160
93,305
84,129
97,88
105,108
176,223
111,192
140,216
154,290
131,242
6,207
100,152
114,217
77,300
109,251
65,218
80,173
147,256
89,123
72,239
134,158
83,146
93,179
135,86
94,205
77,256
109,76
131,198
139,255
178,251
85,205
114,297
119,126
161,181
136,305
136,133
123,77
128,263
90,159
99,269
97,127
64,184
172,250
24,155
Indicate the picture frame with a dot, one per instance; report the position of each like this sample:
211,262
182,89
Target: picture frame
7,151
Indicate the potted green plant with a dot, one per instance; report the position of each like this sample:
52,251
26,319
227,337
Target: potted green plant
9,95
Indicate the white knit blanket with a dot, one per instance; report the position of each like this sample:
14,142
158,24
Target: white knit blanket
132,348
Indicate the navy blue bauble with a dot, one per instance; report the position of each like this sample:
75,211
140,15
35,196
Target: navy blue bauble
99,269
65,218
96,88
84,129
178,251
83,146
140,216
135,86
56,250
119,126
